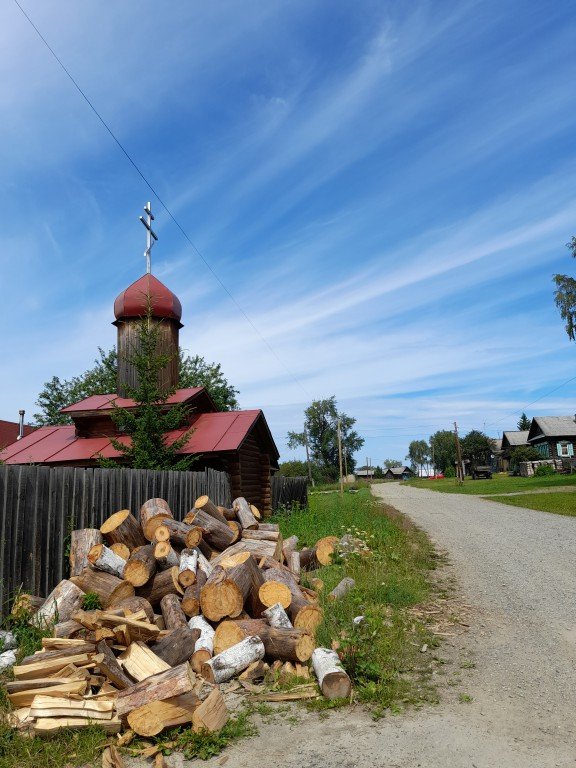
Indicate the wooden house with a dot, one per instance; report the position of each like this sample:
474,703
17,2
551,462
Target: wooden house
511,439
237,442
554,437
398,473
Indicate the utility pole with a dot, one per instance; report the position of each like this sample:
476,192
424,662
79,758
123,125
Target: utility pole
340,459
459,468
345,463
310,478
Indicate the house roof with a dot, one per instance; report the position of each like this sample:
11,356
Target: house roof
552,426
9,432
105,403
515,438
398,470
213,433
144,294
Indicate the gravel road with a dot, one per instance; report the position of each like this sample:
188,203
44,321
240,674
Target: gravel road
517,568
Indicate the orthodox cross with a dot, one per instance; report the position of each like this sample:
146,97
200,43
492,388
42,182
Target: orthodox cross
151,236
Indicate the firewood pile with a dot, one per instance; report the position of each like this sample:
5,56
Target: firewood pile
185,607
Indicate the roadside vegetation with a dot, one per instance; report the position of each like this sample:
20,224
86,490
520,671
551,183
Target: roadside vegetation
499,484
559,502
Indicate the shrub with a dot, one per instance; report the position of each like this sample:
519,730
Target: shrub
449,472
544,470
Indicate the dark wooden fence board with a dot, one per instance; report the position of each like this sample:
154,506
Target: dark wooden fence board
287,491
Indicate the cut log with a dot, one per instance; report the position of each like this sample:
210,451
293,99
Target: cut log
141,662
67,629
217,534
141,566
135,605
290,545
244,513
25,604
81,542
110,667
274,590
303,614
151,719
228,664
308,560
203,564
110,589
226,591
165,556
121,550
316,584
269,527
172,612
177,645
286,644
59,653
277,616
104,559
206,505
236,529
212,714
111,758
325,548
260,549
333,680
342,588
187,567
204,647
205,549
123,528
229,514
260,535
173,682
294,563
61,603
191,597
181,534
254,509
152,514
163,583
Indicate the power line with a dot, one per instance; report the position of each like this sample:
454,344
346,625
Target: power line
523,409
140,173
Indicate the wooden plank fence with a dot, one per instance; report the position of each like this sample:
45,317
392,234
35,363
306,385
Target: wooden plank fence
287,491
40,506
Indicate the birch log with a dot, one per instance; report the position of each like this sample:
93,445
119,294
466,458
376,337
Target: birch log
342,588
204,647
64,600
81,542
290,545
104,559
233,661
188,566
277,616
333,680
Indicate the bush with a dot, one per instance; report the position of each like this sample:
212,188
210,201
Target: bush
449,472
523,453
544,470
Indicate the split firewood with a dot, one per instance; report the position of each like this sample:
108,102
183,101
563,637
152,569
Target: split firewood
60,604
139,630
234,660
141,662
67,628
277,616
136,604
165,556
111,758
216,534
53,706
46,725
58,643
122,527
256,671
181,534
204,503
25,698
177,645
152,513
152,718
109,665
81,542
140,566
204,646
226,591
244,513
294,563
290,545
173,682
104,559
59,653
110,589
121,550
172,612
342,588
211,714
187,567
163,583
333,680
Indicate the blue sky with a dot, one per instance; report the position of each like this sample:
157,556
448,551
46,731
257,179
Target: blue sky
385,188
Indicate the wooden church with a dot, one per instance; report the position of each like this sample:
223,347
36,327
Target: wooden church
237,442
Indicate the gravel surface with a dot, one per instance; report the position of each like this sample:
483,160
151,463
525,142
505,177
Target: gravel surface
517,568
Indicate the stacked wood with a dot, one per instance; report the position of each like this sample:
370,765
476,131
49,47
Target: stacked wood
215,596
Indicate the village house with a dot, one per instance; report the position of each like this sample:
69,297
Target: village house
10,430
511,440
398,473
554,437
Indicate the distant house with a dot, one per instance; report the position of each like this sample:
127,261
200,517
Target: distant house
364,473
9,432
511,440
398,473
554,437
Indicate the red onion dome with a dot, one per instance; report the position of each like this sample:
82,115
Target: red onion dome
148,291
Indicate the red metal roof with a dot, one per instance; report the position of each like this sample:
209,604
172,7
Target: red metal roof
9,432
148,291
104,402
213,433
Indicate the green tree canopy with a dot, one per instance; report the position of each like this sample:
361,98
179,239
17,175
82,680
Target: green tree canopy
320,424
523,423
418,453
565,296
523,453
101,380
477,448
443,449
296,468
389,463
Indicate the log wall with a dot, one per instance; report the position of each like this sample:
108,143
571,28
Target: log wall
40,506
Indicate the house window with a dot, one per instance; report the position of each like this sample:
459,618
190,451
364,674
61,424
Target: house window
543,449
565,449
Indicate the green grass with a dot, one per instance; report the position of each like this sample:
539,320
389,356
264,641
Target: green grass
67,748
559,503
501,483
382,654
